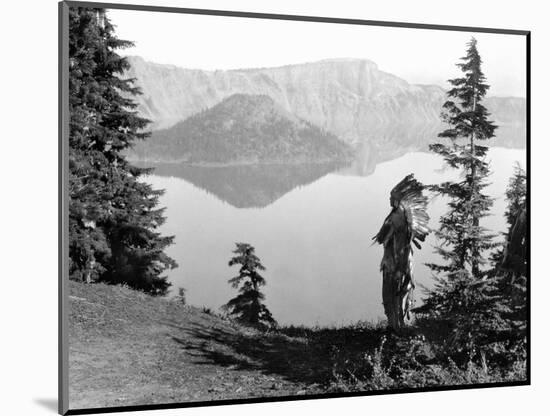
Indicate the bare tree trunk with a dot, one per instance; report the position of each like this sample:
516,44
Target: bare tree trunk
475,219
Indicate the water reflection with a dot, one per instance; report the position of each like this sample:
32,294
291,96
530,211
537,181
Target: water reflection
315,241
397,140
258,186
248,186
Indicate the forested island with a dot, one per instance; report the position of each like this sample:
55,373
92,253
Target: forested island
243,129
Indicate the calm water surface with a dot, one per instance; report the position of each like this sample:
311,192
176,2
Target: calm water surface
311,226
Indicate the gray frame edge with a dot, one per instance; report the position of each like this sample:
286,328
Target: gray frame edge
63,207
301,18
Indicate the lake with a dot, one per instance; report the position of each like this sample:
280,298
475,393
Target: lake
312,227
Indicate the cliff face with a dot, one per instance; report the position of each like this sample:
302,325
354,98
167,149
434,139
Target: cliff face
348,97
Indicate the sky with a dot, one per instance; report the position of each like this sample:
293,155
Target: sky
419,56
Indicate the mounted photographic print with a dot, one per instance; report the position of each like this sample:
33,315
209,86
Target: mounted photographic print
267,207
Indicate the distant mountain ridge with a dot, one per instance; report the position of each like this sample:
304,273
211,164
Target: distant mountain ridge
243,129
348,97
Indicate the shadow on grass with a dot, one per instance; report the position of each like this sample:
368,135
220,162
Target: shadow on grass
298,354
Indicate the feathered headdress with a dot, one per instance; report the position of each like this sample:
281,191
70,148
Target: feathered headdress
408,195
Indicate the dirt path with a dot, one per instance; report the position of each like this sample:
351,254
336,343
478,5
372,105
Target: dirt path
127,348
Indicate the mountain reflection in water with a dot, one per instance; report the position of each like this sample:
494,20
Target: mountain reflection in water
315,240
247,186
392,142
257,186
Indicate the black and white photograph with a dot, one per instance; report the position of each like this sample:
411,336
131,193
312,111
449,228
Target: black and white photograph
267,207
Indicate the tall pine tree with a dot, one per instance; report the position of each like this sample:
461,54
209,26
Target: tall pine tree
511,262
516,194
464,300
247,306
113,216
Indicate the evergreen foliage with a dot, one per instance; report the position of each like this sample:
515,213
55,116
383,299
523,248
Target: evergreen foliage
511,262
516,194
247,306
465,300
113,216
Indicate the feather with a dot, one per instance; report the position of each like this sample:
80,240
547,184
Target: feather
408,194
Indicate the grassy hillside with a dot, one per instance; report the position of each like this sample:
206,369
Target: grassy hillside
129,348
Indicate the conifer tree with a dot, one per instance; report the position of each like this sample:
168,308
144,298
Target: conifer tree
113,216
516,198
247,306
511,262
516,195
464,300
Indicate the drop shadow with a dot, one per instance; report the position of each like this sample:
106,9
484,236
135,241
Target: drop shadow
48,404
